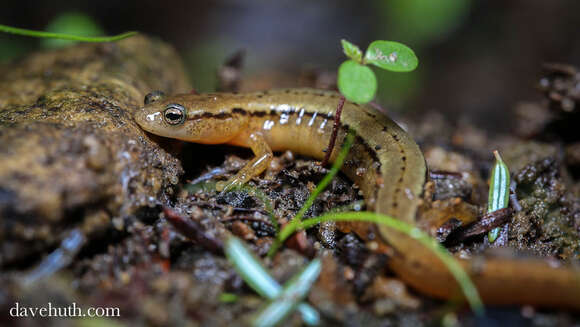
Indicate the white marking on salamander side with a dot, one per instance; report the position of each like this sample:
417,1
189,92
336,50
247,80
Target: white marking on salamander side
311,122
284,118
299,119
268,124
325,121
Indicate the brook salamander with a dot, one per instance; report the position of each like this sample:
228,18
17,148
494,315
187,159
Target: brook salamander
394,173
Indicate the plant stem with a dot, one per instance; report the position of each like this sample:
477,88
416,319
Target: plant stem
335,127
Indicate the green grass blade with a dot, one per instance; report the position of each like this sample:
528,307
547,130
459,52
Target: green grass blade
294,292
42,34
328,178
319,188
467,286
259,279
250,269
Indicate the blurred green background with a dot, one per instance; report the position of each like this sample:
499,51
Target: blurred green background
476,57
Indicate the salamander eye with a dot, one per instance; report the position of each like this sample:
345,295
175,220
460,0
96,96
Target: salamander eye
153,96
174,114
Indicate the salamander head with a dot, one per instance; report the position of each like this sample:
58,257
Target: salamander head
188,117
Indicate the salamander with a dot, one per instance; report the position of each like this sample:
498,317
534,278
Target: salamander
385,162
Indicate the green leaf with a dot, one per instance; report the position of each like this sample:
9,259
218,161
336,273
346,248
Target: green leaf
499,191
393,56
351,51
356,82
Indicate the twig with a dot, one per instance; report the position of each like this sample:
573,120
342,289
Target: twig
193,230
442,174
489,221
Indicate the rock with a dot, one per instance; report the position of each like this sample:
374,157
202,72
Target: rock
68,144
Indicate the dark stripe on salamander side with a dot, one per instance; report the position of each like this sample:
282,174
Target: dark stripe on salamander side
240,111
221,115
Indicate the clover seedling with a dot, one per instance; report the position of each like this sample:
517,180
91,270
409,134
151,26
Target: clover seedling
357,82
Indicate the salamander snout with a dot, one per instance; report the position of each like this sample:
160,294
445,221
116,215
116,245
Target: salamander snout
149,119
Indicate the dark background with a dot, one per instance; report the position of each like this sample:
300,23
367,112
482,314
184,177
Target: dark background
477,58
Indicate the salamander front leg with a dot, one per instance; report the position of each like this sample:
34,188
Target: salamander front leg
263,153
